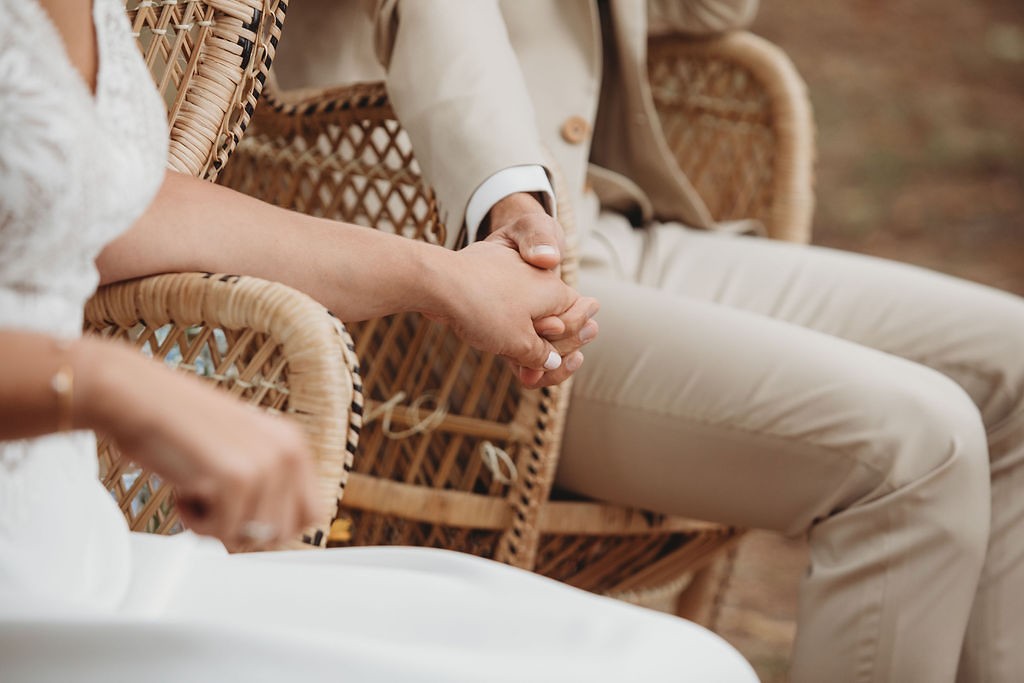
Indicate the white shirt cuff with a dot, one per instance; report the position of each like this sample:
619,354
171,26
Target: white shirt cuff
506,182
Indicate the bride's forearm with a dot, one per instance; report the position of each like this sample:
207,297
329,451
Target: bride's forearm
356,272
486,293
50,385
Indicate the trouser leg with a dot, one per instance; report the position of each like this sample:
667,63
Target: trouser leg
708,342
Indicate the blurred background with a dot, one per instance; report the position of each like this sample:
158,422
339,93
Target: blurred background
920,112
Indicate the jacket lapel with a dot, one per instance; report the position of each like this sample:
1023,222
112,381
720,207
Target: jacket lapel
640,150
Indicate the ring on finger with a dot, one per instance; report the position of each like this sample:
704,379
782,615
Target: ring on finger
258,532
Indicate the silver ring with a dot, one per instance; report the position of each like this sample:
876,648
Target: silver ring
258,532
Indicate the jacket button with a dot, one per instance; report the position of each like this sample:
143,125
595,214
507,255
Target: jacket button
575,130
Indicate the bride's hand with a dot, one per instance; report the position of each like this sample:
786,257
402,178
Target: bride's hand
241,475
491,298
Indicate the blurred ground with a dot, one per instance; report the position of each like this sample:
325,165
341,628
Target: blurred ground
920,113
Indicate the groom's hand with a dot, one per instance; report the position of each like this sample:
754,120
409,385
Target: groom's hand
520,223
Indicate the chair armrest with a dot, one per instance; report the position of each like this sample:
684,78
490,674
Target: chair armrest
265,343
736,115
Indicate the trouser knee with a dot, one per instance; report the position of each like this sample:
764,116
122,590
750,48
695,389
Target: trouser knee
929,463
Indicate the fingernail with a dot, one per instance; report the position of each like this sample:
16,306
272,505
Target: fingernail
573,362
587,333
544,250
553,361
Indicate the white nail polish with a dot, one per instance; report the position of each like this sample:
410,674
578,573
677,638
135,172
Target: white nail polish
544,250
553,362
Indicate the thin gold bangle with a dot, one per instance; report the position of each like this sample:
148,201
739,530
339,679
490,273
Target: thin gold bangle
63,383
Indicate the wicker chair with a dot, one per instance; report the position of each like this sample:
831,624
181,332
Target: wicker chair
263,342
453,453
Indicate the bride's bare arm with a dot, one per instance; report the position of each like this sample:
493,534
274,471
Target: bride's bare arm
229,464
484,291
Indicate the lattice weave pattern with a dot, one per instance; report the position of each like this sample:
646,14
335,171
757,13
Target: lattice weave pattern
736,117
721,132
344,156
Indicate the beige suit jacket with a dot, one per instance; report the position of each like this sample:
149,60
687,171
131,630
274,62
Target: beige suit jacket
484,85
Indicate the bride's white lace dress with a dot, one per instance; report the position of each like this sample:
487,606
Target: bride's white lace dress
83,599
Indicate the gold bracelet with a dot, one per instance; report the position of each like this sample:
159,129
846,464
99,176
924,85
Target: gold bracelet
63,383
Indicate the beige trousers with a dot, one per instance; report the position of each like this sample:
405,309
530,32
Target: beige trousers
874,406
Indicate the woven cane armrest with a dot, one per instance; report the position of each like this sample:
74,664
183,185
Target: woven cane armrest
735,113
444,422
209,60
262,342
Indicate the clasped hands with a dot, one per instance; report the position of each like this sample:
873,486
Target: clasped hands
520,223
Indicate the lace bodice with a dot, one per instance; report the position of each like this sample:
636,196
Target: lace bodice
76,170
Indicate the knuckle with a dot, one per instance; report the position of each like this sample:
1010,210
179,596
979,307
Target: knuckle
575,319
241,477
293,453
549,379
525,352
564,345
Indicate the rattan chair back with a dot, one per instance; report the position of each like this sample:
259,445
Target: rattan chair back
735,113
262,342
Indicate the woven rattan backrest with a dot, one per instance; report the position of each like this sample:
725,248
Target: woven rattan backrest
736,115
448,431
338,153
209,59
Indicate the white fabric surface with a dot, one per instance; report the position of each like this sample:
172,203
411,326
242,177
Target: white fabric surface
82,599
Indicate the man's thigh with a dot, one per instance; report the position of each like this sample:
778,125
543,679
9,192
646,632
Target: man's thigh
720,387
967,331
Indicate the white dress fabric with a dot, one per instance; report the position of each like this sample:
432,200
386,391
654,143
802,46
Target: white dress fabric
83,599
